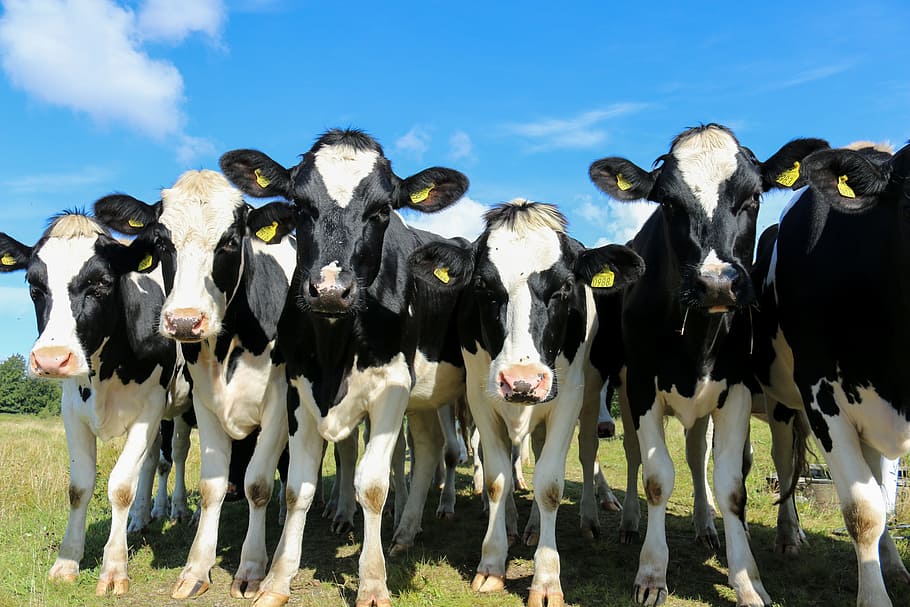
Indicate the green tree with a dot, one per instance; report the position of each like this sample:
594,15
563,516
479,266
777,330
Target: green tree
20,393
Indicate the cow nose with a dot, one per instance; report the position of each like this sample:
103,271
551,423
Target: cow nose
334,294
529,384
185,324
52,361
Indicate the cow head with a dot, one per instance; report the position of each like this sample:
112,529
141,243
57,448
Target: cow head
708,187
527,280
202,234
73,274
344,191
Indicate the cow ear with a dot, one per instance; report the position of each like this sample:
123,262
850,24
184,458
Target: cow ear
612,266
444,264
272,222
845,179
784,169
621,179
255,174
430,190
13,254
124,213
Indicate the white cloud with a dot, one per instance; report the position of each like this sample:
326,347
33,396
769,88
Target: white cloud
576,132
819,73
614,222
55,182
174,20
415,141
15,302
464,218
460,145
190,148
87,55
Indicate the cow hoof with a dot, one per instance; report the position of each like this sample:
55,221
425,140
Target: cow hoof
342,527
189,587
138,525
244,589
708,539
521,484
512,539
649,595
398,550
610,504
445,516
789,550
488,583
531,538
589,532
373,602
542,598
66,572
117,586
267,598
628,537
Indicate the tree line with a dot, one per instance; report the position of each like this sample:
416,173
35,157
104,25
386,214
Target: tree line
21,393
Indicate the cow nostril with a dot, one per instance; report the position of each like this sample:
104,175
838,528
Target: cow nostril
346,294
313,291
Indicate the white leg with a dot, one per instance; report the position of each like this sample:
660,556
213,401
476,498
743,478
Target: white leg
82,447
121,488
399,478
703,514
731,435
478,463
521,454
180,449
215,446
892,565
451,457
140,514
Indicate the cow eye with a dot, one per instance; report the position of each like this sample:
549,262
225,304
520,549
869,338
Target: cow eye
381,214
228,246
563,292
750,203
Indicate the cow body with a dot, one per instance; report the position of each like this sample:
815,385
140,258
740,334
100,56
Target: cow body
526,318
685,340
833,335
352,323
115,370
227,267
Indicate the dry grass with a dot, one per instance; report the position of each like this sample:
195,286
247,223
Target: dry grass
33,475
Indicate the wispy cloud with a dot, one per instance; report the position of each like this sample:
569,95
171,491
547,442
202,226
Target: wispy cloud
416,141
460,146
55,182
818,73
614,222
87,55
581,131
464,218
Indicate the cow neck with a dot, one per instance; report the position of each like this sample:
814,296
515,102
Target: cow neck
116,356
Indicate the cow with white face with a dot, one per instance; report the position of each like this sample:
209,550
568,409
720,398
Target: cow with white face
526,320
227,267
686,333
357,333
95,334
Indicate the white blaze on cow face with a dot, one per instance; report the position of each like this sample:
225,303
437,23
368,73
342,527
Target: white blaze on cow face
198,211
706,158
516,255
342,168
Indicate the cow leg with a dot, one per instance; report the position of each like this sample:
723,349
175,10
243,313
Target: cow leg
658,477
342,507
587,457
697,445
781,421
631,509
892,566
121,488
602,491
305,447
140,514
478,465
215,447
531,533
371,483
180,449
163,468
520,456
399,479
82,447
451,456
258,484
549,482
731,424
426,446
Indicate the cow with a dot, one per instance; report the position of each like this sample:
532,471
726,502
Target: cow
95,334
357,333
685,329
832,337
226,268
526,319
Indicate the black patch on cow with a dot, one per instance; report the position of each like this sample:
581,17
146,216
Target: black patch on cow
722,398
85,392
265,286
783,413
825,399
819,428
191,352
166,427
293,405
233,359
36,275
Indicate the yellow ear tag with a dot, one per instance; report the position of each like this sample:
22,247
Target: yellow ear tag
603,279
135,223
421,195
845,190
621,183
442,274
267,233
261,179
789,177
145,264
8,260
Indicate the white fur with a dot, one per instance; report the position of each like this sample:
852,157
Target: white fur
342,169
706,159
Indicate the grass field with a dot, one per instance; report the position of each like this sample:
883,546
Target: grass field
437,572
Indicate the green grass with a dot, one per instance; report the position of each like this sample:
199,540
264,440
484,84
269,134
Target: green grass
437,572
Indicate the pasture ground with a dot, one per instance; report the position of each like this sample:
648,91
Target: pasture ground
438,571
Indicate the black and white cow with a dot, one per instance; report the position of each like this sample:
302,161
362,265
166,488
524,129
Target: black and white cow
357,333
685,338
526,320
96,334
227,267
833,337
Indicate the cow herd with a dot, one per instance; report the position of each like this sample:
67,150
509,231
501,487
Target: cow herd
288,325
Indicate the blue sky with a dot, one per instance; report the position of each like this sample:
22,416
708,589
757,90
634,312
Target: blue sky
98,96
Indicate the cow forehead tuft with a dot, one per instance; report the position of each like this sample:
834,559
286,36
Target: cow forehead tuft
706,158
517,255
201,203
523,216
74,225
342,168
